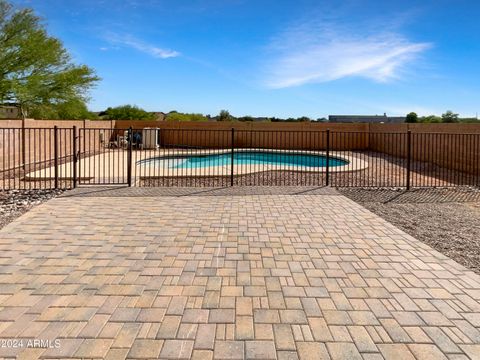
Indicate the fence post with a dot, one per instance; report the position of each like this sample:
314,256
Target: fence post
129,157
24,156
55,154
74,143
409,156
327,164
233,150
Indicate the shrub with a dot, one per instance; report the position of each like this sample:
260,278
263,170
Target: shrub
128,112
176,116
431,119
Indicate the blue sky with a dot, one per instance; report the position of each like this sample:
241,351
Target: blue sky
273,57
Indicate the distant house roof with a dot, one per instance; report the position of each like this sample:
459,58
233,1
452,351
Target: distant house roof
365,119
159,115
9,111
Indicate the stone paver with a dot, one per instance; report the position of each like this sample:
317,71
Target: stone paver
229,277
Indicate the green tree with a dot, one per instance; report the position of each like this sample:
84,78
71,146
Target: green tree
411,117
35,68
225,116
128,112
450,117
74,109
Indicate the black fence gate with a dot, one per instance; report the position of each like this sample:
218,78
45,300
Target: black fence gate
103,157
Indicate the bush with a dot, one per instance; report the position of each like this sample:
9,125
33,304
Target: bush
176,116
469,120
245,118
303,119
431,119
128,112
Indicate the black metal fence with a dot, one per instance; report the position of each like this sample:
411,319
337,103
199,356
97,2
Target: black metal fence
35,158
67,157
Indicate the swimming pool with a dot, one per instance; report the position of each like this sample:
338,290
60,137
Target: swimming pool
244,158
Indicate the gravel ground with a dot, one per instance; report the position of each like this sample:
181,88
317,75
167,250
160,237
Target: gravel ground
383,171
445,219
14,203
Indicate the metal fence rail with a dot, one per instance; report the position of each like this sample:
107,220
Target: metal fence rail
34,158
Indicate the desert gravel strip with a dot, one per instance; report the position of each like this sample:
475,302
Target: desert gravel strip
14,203
446,219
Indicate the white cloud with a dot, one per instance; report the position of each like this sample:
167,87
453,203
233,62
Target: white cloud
316,54
134,43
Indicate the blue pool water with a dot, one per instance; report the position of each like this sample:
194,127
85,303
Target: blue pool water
244,158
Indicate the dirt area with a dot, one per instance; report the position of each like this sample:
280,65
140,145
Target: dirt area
446,219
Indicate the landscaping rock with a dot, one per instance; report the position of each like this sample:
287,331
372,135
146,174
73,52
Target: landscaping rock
446,219
14,203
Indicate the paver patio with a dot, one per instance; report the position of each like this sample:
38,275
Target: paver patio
229,277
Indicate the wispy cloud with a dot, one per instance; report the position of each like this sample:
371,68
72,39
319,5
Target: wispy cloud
134,43
316,54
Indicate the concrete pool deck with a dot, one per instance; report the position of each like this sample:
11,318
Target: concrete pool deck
177,275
